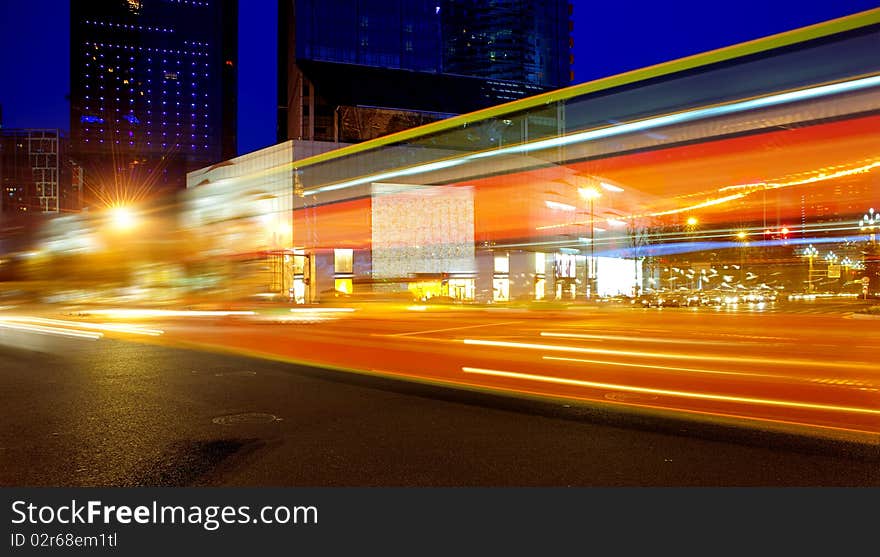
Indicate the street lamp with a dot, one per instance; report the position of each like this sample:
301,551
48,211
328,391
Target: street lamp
870,222
591,194
743,237
810,252
122,218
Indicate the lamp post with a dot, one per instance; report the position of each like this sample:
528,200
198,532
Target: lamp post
869,223
591,194
810,252
833,269
743,238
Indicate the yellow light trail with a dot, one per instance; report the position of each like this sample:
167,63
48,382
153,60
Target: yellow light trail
322,310
134,313
750,188
663,355
114,327
51,330
665,392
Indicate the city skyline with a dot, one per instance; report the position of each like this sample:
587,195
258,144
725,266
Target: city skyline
672,32
668,276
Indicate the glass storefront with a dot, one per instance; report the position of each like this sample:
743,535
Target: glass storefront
743,172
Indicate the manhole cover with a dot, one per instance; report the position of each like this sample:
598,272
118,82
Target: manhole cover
246,418
235,374
629,397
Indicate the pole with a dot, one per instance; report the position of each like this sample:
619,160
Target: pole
810,276
590,268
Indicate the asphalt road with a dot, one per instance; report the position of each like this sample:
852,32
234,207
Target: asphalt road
813,373
107,412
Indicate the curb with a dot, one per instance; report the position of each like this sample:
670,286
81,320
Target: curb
865,316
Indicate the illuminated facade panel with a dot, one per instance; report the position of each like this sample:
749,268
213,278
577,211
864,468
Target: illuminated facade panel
422,231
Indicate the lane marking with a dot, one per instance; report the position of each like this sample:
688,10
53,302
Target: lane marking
665,392
453,329
673,356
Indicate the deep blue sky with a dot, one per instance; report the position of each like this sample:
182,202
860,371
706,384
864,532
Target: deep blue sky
610,37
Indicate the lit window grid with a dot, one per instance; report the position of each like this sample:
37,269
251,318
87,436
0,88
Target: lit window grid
185,118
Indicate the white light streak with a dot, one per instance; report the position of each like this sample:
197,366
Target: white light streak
666,392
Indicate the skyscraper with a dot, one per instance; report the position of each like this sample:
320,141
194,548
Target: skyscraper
516,40
351,70
32,163
153,93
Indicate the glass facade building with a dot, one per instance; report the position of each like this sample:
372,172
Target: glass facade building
153,89
742,174
515,40
400,34
354,70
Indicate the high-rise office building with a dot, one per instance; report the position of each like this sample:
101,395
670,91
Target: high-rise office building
153,93
515,40
34,171
351,70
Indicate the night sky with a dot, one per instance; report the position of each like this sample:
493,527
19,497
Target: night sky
610,37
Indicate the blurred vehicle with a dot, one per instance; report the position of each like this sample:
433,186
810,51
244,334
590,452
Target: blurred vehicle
618,299
644,300
672,300
441,300
661,300
336,294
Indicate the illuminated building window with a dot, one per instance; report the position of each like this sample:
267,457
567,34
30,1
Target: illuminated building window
343,285
342,260
540,262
